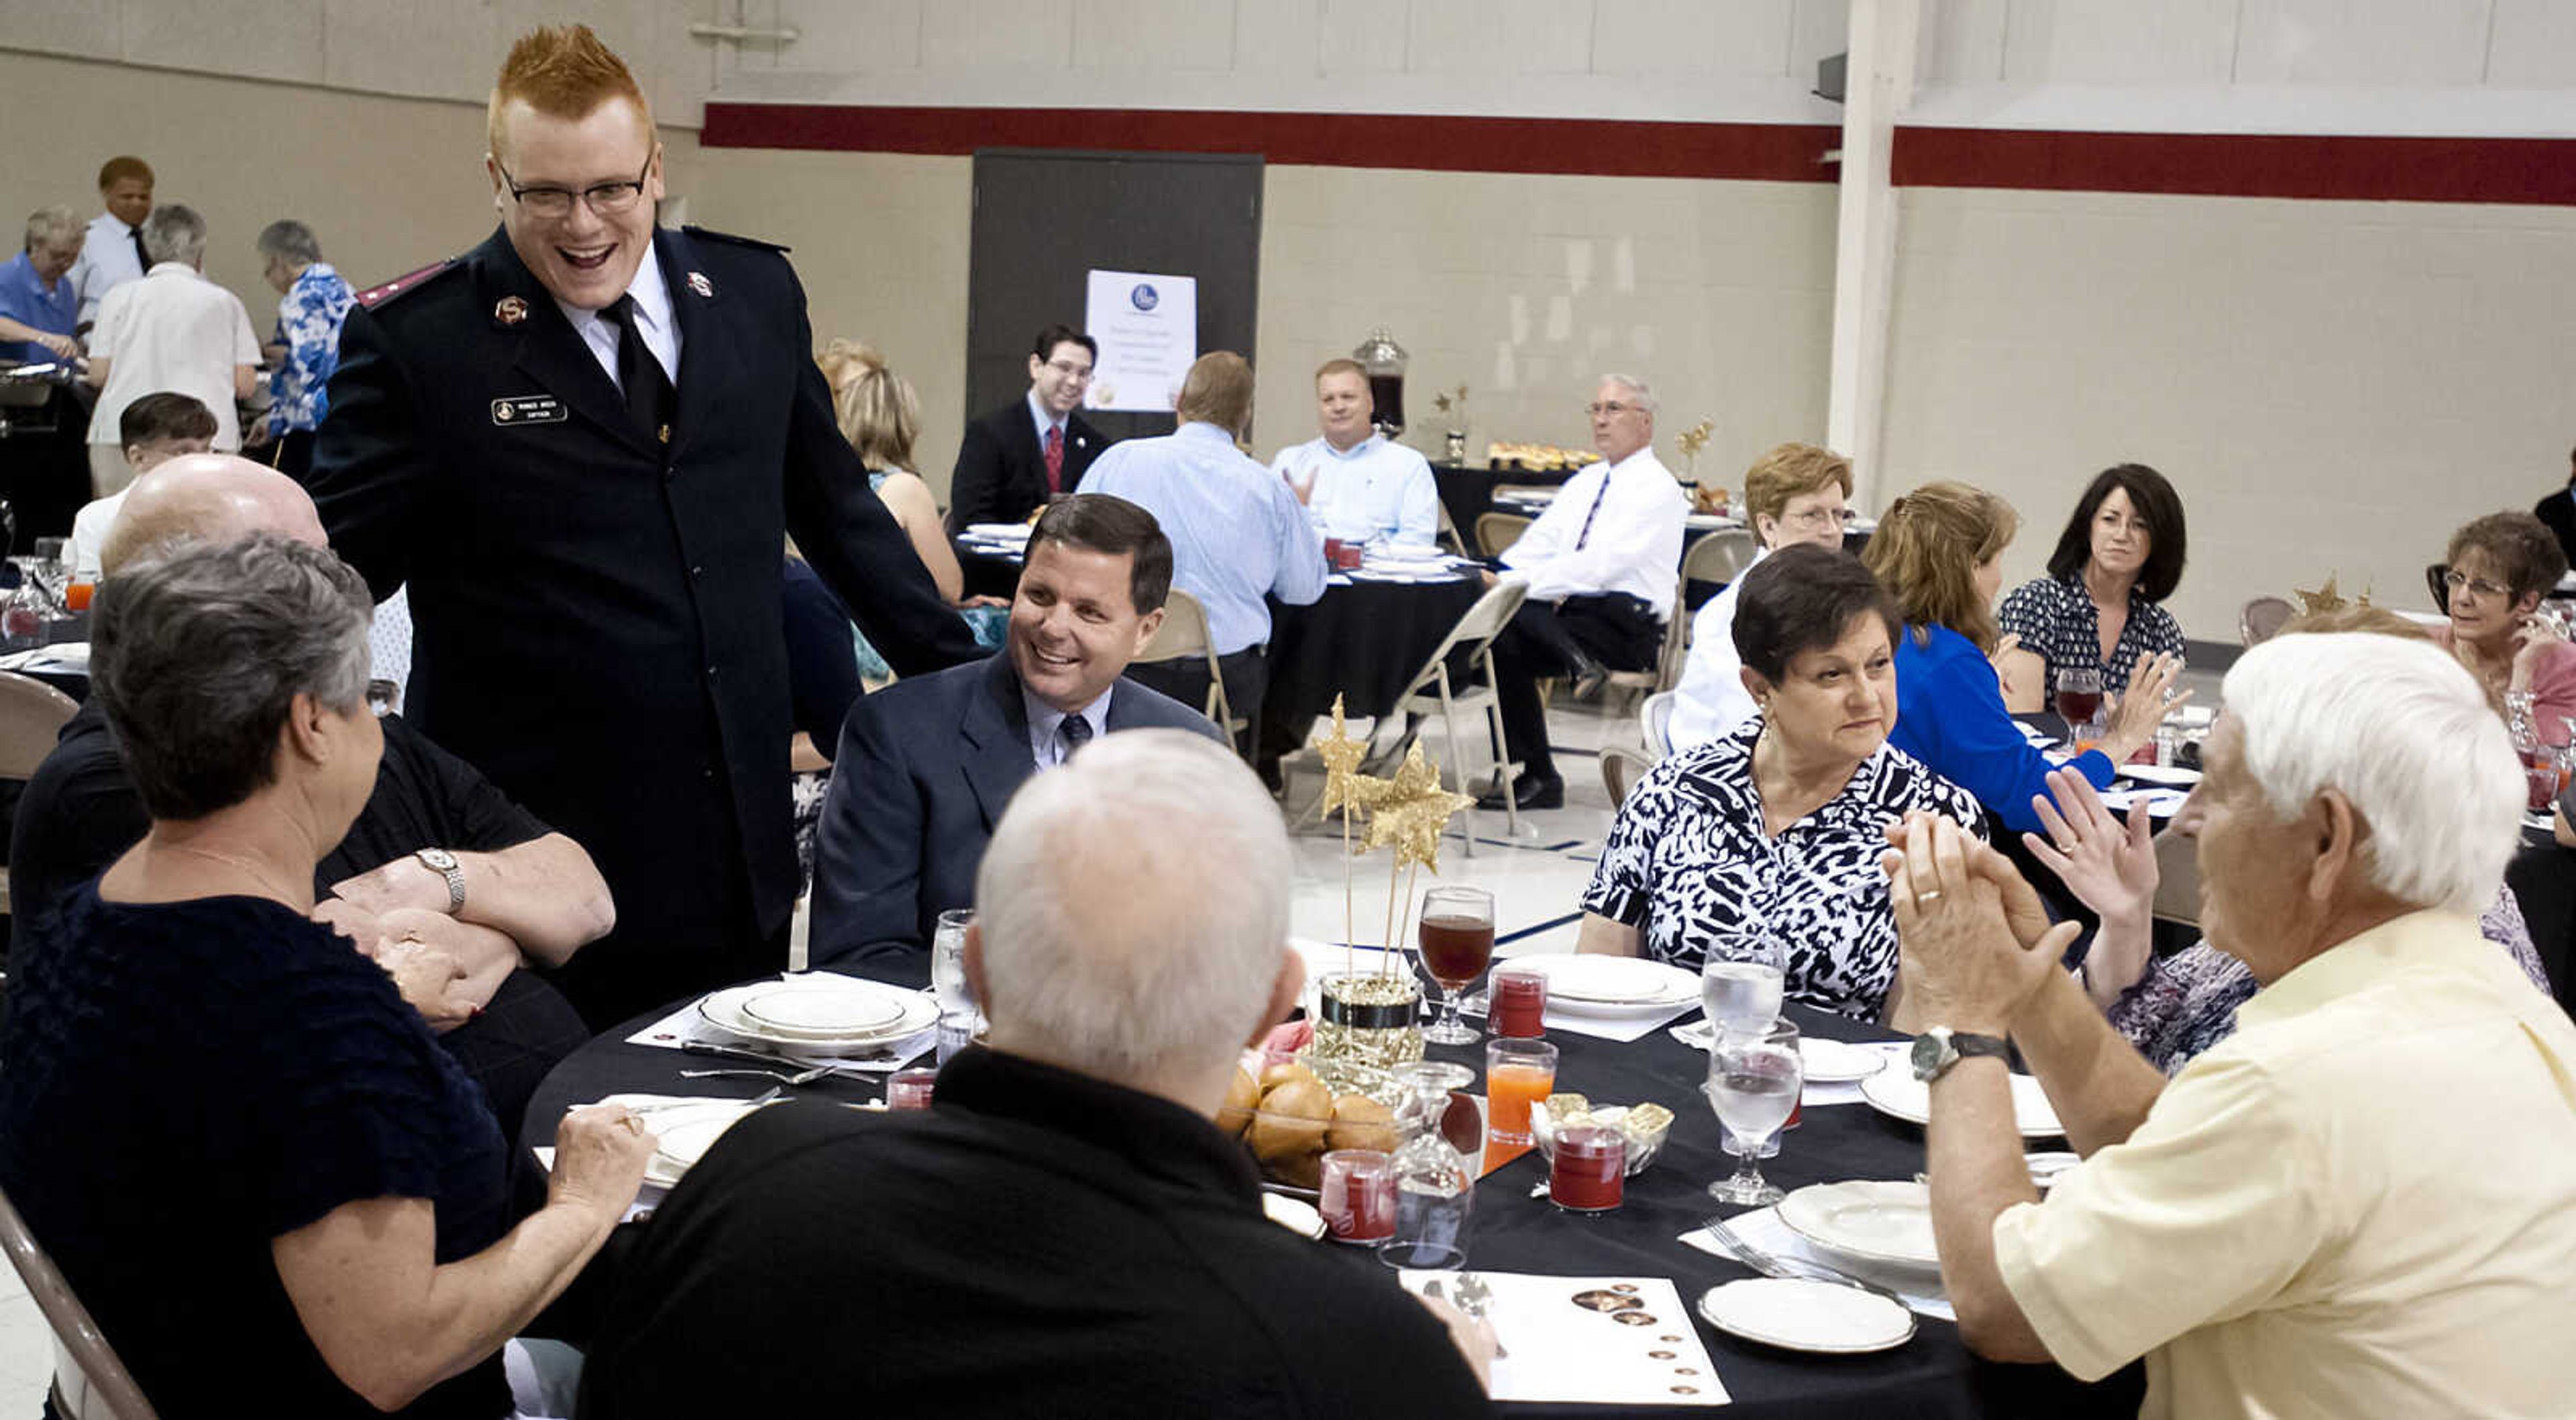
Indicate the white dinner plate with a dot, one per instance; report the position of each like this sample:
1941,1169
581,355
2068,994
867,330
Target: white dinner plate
2172,776
1801,1315
804,1011
723,1011
999,532
1865,1221
1837,1062
683,1136
1397,553
1611,981
1896,1092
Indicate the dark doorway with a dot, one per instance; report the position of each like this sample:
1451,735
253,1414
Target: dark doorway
1045,219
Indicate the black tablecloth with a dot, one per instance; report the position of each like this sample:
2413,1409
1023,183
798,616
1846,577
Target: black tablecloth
1931,1376
1362,639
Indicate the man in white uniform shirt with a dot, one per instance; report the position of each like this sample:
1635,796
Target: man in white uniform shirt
172,331
113,252
1794,493
1601,564
1358,485
2357,1204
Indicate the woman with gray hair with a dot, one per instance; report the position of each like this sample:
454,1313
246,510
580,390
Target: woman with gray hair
38,303
313,303
183,1026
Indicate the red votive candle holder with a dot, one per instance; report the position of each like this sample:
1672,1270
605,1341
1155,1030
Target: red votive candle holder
1588,1173
910,1089
1516,999
1357,1195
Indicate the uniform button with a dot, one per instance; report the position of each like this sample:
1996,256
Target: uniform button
697,571
711,673
706,774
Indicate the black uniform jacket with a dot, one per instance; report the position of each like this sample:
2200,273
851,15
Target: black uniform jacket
596,611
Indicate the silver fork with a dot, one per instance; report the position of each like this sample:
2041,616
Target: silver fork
1772,1266
801,1077
1475,1296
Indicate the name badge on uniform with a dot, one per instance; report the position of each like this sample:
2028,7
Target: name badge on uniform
529,409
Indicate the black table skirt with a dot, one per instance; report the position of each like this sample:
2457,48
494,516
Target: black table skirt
1931,1376
1361,639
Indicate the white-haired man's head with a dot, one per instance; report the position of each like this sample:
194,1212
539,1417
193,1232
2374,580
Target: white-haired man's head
207,498
2352,778
1132,916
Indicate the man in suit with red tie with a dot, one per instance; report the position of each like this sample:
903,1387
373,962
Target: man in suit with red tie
581,445
1018,457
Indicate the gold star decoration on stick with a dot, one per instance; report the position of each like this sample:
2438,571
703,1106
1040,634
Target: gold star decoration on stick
1345,788
1414,813
2324,598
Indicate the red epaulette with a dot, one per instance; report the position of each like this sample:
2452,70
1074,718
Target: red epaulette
375,296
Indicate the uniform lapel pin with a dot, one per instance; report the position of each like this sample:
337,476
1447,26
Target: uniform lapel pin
699,283
510,310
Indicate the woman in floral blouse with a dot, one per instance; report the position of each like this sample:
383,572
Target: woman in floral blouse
2101,606
312,303
1763,843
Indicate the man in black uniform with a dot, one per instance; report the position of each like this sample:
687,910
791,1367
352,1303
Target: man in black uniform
1016,458
581,445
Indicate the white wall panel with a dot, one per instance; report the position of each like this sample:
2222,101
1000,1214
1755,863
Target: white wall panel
88,28
839,36
421,51
2532,45
1963,41
2121,41
1492,38
2392,42
1153,35
277,40
997,34
1278,37
1683,36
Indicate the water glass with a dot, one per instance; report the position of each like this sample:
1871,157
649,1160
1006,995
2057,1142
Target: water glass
1785,1032
948,962
1741,993
1753,1084
1432,1206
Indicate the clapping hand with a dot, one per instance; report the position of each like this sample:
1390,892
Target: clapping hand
2531,642
2110,866
1973,939
2134,716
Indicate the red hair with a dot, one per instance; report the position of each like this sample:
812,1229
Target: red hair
563,71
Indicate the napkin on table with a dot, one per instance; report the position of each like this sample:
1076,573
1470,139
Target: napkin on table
1568,1346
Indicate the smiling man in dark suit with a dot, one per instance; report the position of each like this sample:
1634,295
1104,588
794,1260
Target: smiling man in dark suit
1019,456
580,445
927,765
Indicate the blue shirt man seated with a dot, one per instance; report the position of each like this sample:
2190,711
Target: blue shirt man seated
927,765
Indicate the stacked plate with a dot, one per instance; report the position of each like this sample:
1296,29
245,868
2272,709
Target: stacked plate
1800,1315
819,1015
1614,987
685,1133
1868,1222
1896,1092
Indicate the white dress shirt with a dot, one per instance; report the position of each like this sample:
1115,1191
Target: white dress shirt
173,330
653,318
1711,699
1634,543
1376,491
106,261
1045,721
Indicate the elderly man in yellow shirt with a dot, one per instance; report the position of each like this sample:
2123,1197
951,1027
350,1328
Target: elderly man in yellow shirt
2361,1204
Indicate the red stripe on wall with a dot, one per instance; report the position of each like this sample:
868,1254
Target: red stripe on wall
2320,166
1736,151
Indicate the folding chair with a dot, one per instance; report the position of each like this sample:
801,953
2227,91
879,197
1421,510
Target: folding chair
32,715
1447,536
1184,634
2177,880
1720,556
1622,767
1496,532
98,1387
2262,618
1430,690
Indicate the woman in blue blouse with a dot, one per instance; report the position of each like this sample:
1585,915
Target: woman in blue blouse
1938,551
271,1187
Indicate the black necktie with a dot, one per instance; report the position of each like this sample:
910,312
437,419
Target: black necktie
1074,733
648,389
142,258
1585,535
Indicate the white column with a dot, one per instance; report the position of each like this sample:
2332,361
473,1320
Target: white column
1879,83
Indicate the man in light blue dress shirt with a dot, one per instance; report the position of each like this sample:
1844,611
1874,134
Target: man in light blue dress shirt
1358,485
1238,534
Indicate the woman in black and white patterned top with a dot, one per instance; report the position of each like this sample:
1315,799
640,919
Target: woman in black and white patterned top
1764,843
2100,606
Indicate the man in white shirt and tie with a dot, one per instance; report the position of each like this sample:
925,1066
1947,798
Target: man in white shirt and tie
113,253
1358,485
1602,565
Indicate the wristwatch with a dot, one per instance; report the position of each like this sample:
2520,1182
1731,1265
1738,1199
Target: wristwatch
443,863
1939,1048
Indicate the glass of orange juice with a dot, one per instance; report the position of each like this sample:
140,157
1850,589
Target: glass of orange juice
1518,1074
76,595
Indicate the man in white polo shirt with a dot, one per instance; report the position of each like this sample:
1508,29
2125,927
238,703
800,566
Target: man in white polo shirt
172,331
1358,485
2362,1202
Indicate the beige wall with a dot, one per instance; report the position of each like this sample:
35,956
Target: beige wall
2333,386
389,185
1524,288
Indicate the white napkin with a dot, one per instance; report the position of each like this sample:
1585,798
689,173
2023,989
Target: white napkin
1566,1352
1622,1030
1699,1035
685,1024
1918,1289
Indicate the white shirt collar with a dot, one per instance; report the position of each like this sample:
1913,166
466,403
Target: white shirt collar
1367,445
652,299
1045,420
1045,718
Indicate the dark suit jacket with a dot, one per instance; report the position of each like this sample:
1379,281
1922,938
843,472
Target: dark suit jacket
2558,510
925,768
597,614
1001,471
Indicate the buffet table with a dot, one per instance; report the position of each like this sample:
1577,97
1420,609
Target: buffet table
1931,1375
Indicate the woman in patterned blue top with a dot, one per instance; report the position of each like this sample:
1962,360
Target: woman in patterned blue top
313,303
1763,843
1938,550
252,1162
2101,605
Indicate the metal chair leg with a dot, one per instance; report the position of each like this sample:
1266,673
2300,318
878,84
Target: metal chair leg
1502,751
1457,767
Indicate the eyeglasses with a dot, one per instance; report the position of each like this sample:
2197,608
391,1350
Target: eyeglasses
1069,370
1611,406
1821,517
608,199
2462,581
